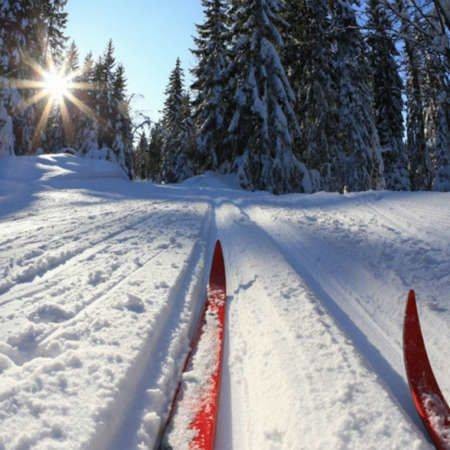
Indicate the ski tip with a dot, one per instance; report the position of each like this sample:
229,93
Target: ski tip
218,246
411,305
217,275
218,254
411,315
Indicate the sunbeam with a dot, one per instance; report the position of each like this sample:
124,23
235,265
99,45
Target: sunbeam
57,85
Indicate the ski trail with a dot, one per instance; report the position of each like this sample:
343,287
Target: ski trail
66,224
107,357
422,216
368,337
126,231
33,317
37,262
149,405
290,351
363,273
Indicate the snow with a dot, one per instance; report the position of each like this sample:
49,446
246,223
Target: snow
103,282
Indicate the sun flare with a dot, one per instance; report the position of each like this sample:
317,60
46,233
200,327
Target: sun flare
57,86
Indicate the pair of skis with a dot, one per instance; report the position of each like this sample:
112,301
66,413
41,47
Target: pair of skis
426,394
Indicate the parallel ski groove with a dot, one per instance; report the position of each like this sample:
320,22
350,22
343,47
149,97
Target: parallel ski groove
390,380
22,278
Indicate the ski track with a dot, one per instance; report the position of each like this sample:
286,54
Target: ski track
102,285
365,287
68,350
35,310
53,255
107,255
305,369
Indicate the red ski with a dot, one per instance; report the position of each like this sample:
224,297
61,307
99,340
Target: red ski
427,396
202,403
205,421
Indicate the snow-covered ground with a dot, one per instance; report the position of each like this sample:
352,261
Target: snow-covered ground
102,282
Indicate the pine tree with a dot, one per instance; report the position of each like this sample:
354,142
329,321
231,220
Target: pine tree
263,124
6,131
60,128
436,102
141,168
177,157
387,87
53,26
209,106
72,59
86,128
436,90
309,61
50,32
360,164
18,38
7,140
104,78
71,67
155,152
420,165
120,122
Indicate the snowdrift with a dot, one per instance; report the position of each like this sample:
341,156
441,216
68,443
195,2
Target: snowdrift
212,180
48,168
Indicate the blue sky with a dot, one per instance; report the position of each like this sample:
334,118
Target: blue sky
148,36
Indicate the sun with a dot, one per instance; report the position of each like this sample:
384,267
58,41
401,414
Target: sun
56,86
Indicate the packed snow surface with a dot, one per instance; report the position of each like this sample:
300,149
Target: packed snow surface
102,283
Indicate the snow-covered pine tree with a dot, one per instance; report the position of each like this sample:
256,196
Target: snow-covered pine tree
18,31
104,78
209,105
53,28
387,87
64,117
9,46
86,129
177,153
309,63
51,38
419,160
436,89
71,66
141,157
155,152
360,164
72,59
6,129
121,122
263,124
187,163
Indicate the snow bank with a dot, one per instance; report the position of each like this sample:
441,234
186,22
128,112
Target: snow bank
212,180
48,168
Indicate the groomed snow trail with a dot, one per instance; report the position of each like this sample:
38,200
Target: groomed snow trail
95,336
295,379
102,283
